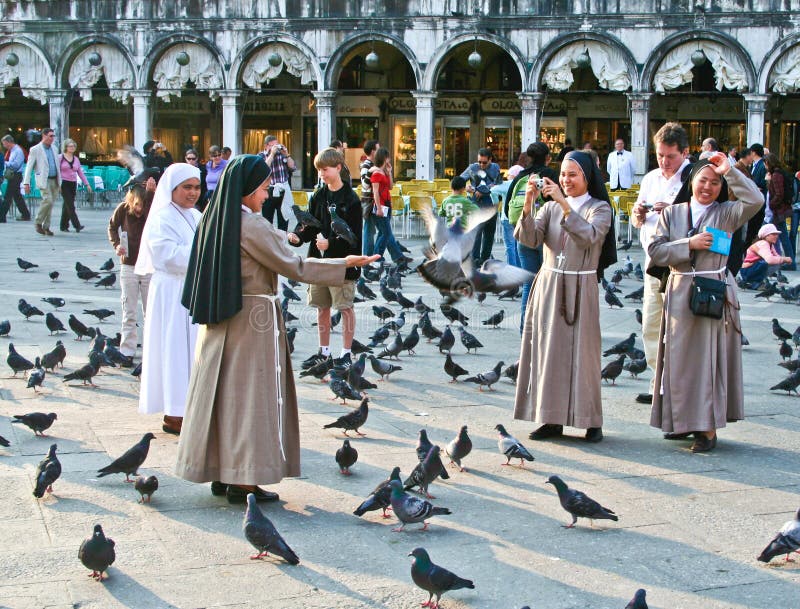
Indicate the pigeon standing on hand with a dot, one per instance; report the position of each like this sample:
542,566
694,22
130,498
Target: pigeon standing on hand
432,578
262,534
578,504
459,448
410,509
380,498
47,472
353,419
38,422
511,447
130,461
146,487
97,553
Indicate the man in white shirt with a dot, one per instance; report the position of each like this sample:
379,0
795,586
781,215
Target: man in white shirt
657,191
620,166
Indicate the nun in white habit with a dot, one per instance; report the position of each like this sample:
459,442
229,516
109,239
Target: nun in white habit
169,335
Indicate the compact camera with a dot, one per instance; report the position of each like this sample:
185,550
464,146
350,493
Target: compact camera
536,179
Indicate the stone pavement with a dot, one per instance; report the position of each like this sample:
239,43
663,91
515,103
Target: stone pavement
689,530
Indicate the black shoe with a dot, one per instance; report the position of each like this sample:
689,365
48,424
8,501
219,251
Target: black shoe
547,431
24,219
48,232
236,494
218,489
644,398
313,360
64,230
594,434
79,228
702,444
175,431
678,436
403,248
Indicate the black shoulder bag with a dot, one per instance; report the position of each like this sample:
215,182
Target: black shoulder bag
707,298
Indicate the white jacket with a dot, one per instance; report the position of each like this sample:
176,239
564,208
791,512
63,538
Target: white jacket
620,169
37,164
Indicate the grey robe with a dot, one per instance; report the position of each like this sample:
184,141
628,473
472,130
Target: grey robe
559,370
699,368
241,424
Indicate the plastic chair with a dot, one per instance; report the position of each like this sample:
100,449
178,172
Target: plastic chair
399,213
416,205
440,196
300,198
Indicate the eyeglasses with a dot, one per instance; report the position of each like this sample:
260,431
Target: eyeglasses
191,158
483,162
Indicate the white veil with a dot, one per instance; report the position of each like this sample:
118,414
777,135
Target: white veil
174,175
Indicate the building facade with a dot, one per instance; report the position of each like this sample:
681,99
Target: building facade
433,79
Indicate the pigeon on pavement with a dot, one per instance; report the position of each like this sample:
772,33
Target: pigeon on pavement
382,368
635,367
36,378
424,445
578,504
16,362
107,265
623,346
453,314
54,275
130,461
353,419
79,328
786,541
612,370
394,349
380,498
28,310
410,509
54,324
779,332
511,447
346,457
107,281
56,303
459,447
363,289
5,327
426,471
262,534
512,371
638,601
87,274
789,384
488,378
87,372
97,553
4,442
25,265
447,340
421,308
452,369
469,341
146,487
496,319
47,472
412,340
38,422
100,314
612,300
432,578
342,389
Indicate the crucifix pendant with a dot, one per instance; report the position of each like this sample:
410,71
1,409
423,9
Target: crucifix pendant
561,257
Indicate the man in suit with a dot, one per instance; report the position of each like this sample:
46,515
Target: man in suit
758,172
43,163
620,166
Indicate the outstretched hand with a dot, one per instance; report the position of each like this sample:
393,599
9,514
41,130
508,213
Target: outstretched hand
352,261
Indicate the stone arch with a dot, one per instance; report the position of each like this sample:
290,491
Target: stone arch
242,58
771,60
439,57
78,48
546,55
42,74
671,42
164,44
334,67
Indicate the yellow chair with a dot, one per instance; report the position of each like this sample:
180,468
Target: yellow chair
440,196
416,205
399,212
441,184
300,198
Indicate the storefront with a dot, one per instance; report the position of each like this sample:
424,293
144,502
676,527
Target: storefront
100,125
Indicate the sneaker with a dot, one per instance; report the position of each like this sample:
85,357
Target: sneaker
313,360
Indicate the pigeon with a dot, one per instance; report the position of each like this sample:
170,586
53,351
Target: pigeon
498,277
496,319
346,457
380,498
357,348
47,472
768,292
578,504
342,230
447,340
421,308
486,378
356,371
452,369
429,331
97,553
480,297
394,349
87,372
107,265
638,315
16,362
54,324
36,378
426,471
342,390
137,371
432,578
612,300
786,541
635,367
353,419
779,332
5,327
100,314
54,275
789,384
4,442
512,371
288,317
636,295
320,369
511,447
388,295
791,365
509,294
404,302
469,341
382,368
38,422
28,310
424,445
396,323
609,287
785,350
146,486
80,330
87,274
25,265
412,340
623,346
363,289
305,219
626,245
613,369
410,509
262,534
638,601
116,356
130,461
382,313
289,293
453,314
459,447
56,303
107,281
450,256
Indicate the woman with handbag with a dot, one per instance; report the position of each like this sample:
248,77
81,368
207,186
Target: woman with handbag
70,167
699,364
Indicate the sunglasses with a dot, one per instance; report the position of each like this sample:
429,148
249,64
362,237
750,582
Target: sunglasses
214,156
191,158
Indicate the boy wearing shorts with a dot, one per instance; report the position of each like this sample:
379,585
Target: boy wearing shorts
323,243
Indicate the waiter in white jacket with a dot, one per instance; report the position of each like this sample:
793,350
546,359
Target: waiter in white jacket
620,166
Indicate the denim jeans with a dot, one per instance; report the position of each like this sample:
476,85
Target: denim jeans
531,260
484,241
784,244
512,256
756,273
368,237
386,238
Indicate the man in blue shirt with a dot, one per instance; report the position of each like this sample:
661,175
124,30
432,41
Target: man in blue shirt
14,159
42,162
480,177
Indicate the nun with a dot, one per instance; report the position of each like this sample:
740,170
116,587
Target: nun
699,367
241,428
559,371
169,335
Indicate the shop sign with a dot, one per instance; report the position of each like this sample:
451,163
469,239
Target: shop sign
184,104
452,104
100,104
603,105
357,105
401,105
555,105
267,106
495,105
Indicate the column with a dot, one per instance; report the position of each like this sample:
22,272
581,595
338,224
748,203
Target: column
231,120
141,117
59,121
531,111
640,119
756,108
425,132
326,117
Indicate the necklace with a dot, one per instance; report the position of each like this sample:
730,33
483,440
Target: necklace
185,219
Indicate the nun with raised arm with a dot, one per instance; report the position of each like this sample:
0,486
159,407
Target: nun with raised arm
169,335
241,428
559,370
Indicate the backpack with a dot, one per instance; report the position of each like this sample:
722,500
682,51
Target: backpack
516,201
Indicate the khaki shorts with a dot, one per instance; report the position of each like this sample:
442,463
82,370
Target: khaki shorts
325,297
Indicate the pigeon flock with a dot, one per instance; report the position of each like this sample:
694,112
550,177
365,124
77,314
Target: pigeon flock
435,327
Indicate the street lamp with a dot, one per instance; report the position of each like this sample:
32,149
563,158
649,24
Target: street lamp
12,59
274,59
583,60
95,59
698,58
182,58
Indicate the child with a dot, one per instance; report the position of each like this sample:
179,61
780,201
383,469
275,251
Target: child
340,196
457,205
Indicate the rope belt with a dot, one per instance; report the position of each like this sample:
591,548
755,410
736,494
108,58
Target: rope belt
562,272
274,298
724,269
